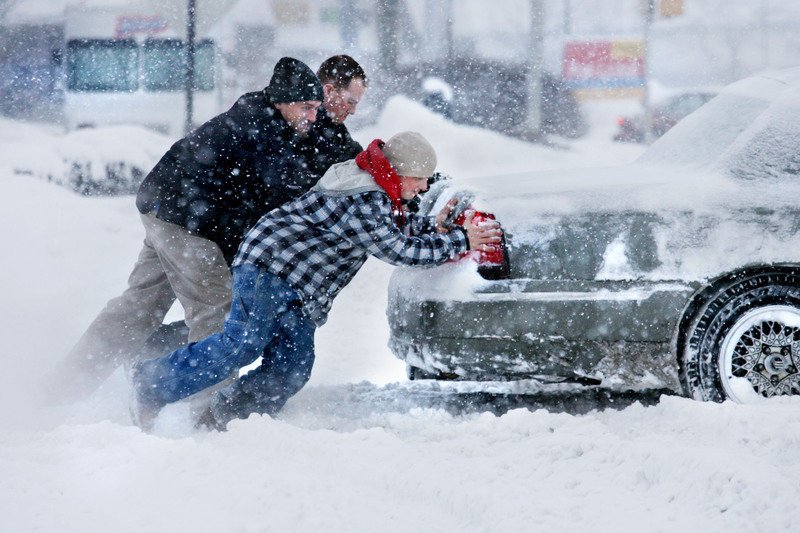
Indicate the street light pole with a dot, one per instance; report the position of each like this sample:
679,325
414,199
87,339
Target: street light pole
649,15
189,85
533,123
387,35
348,26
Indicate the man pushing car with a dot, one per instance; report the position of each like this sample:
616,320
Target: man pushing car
290,267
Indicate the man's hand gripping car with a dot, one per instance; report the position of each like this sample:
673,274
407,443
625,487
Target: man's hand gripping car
493,261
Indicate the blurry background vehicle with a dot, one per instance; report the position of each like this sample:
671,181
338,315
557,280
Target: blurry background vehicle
437,95
126,66
663,117
488,94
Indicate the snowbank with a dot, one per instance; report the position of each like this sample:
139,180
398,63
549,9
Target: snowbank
110,160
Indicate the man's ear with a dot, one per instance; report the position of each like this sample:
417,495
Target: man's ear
326,89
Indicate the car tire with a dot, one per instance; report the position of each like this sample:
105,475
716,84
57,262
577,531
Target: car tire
744,343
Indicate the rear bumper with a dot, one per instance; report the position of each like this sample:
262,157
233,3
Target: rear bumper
558,328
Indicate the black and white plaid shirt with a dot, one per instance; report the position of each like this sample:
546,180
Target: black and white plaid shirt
319,241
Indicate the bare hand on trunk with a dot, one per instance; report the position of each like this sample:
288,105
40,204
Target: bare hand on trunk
482,234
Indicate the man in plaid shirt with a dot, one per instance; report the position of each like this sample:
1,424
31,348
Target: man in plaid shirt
290,267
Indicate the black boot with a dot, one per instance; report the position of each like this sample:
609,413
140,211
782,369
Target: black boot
208,421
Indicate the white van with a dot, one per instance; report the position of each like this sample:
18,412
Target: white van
126,65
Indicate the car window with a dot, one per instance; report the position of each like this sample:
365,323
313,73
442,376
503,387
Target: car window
102,65
686,104
679,106
164,65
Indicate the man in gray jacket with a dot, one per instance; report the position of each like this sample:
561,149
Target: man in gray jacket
291,266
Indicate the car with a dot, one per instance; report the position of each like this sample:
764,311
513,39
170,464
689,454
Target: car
680,270
486,94
663,117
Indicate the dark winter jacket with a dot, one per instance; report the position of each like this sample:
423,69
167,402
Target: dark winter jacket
218,180
332,143
319,241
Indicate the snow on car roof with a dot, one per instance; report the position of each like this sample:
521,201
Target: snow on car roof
712,135
710,161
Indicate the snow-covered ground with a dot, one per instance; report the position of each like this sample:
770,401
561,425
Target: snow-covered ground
354,451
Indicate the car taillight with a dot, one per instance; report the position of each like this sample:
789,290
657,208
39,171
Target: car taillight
493,263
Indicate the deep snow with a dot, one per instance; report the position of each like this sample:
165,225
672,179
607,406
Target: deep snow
356,450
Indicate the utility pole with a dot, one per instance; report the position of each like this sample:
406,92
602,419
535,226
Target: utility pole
388,11
189,85
765,56
436,44
348,26
533,123
649,15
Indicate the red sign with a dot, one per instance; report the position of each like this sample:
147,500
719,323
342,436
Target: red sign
131,25
604,64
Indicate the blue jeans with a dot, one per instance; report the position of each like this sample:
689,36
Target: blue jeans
266,319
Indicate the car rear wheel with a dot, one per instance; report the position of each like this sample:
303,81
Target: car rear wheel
744,345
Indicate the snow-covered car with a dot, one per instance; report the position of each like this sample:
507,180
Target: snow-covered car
680,270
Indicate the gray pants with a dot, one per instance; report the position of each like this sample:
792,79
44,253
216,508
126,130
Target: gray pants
172,264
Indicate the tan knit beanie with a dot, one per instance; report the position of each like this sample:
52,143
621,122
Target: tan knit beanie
410,155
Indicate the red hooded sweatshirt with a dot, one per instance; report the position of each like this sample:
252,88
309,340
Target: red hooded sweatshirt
373,161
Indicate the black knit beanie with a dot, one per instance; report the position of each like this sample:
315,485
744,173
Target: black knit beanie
293,81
